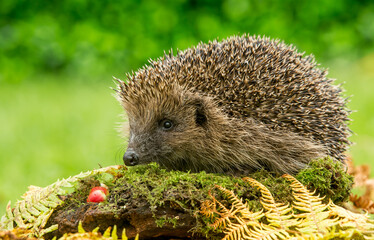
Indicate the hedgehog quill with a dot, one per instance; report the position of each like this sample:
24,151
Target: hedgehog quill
234,106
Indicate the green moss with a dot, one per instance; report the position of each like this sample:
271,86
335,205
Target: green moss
329,178
159,186
187,190
160,222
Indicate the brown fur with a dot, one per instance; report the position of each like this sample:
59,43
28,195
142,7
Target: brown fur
236,106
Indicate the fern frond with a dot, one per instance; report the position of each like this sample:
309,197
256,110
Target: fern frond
238,205
278,214
236,221
208,207
7,219
38,204
341,234
224,214
314,214
268,232
348,219
333,234
236,231
313,220
245,229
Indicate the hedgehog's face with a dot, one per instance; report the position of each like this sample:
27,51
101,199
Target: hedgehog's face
165,129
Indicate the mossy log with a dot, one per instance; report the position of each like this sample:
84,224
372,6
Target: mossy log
153,202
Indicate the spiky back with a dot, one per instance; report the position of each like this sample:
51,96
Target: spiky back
259,78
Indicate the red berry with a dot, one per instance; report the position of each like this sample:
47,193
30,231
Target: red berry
97,194
104,189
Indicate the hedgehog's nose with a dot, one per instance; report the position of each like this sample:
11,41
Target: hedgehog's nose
131,158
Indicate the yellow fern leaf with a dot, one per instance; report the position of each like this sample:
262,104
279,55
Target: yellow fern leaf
313,221
224,214
340,234
241,229
278,214
236,221
238,205
235,231
349,219
314,214
268,232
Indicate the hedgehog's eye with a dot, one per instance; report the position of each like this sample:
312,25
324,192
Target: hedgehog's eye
167,124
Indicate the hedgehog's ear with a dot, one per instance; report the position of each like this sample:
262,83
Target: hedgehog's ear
200,112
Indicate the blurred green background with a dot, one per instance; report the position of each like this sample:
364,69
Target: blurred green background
57,113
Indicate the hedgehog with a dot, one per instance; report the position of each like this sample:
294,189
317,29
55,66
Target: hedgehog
234,106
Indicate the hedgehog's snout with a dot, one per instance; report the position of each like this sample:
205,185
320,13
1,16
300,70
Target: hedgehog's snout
130,158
